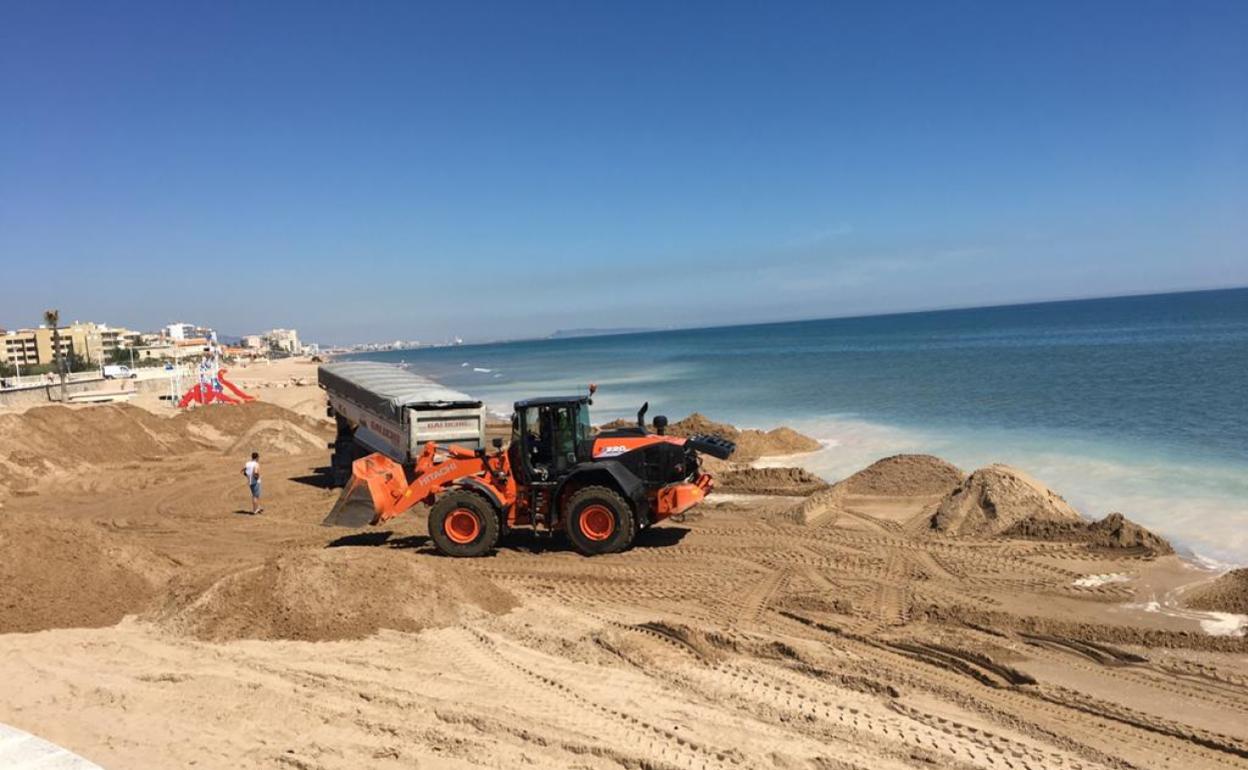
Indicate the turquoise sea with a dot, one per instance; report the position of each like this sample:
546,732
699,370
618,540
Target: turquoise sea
1134,404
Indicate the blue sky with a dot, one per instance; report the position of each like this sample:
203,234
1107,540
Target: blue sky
380,170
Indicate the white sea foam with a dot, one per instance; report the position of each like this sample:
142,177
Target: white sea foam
1224,624
1198,505
1092,581
1212,623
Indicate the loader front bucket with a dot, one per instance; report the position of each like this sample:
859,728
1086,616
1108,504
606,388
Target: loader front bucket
354,508
376,491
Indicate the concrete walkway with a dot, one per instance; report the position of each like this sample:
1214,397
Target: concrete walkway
22,751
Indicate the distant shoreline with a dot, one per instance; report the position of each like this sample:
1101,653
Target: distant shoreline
933,311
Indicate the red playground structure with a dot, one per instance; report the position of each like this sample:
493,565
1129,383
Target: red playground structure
212,388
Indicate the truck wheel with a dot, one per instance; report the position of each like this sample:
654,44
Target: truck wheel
463,523
598,520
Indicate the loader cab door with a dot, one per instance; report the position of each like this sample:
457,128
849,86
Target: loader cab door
550,439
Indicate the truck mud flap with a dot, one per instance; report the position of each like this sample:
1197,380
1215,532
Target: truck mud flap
354,508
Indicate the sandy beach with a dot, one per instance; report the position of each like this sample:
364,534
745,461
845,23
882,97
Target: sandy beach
912,615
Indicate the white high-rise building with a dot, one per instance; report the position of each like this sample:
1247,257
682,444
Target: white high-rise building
284,339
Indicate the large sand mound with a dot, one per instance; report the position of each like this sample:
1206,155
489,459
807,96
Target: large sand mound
905,475
281,437
336,593
994,499
52,442
93,435
751,443
1228,593
769,481
72,575
1113,531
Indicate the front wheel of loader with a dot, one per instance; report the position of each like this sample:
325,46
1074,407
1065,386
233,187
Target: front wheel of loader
598,520
463,523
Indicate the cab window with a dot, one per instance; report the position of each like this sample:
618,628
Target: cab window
565,434
584,431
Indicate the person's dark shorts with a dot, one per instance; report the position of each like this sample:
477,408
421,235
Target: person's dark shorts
255,488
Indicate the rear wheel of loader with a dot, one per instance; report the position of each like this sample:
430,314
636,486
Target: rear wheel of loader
599,520
463,523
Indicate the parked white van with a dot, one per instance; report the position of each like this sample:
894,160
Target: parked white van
117,372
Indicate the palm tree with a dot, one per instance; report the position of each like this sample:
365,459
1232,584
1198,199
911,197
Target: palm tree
53,318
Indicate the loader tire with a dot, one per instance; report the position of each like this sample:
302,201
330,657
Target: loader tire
463,523
599,520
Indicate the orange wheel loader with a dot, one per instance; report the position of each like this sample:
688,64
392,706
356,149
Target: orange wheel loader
555,475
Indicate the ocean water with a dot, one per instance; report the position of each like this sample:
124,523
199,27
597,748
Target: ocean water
1132,404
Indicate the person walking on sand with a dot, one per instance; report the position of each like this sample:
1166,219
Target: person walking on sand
252,471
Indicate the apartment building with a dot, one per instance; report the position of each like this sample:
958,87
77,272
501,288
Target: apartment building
283,339
34,347
113,339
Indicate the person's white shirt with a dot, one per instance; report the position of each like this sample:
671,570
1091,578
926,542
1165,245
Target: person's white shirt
251,468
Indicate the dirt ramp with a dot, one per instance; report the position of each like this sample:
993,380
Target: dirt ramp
905,475
922,477
334,593
276,437
769,481
994,499
58,575
1228,593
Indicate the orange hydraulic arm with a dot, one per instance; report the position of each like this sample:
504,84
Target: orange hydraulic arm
435,469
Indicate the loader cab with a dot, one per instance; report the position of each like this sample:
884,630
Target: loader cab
549,436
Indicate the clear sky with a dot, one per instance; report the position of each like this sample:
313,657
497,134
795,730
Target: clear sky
375,170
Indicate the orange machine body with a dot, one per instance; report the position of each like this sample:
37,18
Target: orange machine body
611,446
435,470
439,468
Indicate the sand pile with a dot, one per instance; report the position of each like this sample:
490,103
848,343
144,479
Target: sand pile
994,499
769,481
1228,593
92,435
1114,531
336,593
751,443
276,437
918,476
908,475
53,441
59,575
234,420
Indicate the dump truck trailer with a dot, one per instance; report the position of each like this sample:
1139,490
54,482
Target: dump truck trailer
380,408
